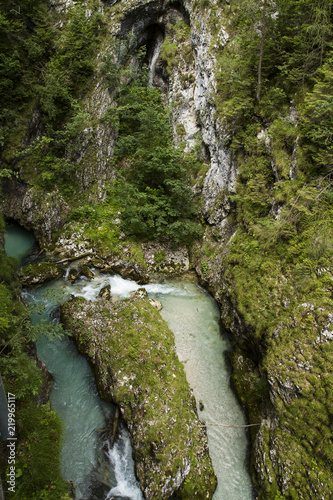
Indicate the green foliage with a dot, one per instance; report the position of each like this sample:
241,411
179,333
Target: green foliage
280,272
49,161
43,166
38,429
159,256
283,135
154,176
48,65
71,65
39,432
235,88
176,49
317,121
297,39
281,256
26,38
18,48
169,53
306,32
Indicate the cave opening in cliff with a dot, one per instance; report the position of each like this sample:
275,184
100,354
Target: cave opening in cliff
148,28
152,39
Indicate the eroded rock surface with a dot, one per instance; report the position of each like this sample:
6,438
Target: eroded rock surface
133,356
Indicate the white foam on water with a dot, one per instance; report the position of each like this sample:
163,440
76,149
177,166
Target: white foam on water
194,318
123,288
120,457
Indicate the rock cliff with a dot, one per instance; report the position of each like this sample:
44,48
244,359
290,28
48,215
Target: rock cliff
284,340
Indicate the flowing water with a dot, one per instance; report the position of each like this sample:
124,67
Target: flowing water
193,316
95,473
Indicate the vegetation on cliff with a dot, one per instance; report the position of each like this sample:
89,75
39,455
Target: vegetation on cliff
154,201
274,103
38,429
278,271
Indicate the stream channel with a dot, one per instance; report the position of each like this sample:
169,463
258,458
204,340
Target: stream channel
194,318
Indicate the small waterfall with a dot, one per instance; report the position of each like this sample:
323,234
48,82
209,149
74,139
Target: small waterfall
67,273
156,52
194,318
121,459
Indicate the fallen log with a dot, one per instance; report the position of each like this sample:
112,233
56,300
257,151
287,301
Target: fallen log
77,257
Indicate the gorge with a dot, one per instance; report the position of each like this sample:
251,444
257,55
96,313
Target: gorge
149,139
191,314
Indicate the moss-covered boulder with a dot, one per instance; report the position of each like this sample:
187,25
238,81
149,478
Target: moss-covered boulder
133,355
39,273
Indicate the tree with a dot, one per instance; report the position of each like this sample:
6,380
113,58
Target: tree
317,120
305,34
261,48
155,180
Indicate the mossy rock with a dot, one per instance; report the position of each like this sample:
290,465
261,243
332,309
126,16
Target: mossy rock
39,273
133,355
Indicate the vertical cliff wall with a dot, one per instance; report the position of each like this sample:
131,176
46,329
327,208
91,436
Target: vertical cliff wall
262,190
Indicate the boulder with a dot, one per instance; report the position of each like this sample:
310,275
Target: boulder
39,273
105,292
156,304
132,352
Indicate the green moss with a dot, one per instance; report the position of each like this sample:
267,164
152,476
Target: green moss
38,430
37,470
38,273
159,256
148,381
176,50
169,53
282,283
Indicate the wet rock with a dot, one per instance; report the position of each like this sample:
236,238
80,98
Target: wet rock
130,271
73,275
105,292
106,269
98,263
140,293
156,304
85,271
39,273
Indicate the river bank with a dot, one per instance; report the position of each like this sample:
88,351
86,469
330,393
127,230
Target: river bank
121,288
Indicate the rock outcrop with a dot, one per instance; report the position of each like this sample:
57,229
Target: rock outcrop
132,353
39,273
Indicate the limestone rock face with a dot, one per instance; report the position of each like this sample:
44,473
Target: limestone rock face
133,356
161,258
222,173
45,213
